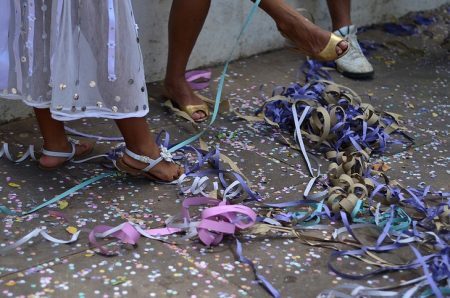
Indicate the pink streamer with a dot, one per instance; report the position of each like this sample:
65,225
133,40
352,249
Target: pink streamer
197,75
219,220
125,233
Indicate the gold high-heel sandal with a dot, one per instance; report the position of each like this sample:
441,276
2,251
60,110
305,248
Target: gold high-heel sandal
191,109
187,111
328,53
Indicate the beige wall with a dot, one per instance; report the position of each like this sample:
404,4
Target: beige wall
227,16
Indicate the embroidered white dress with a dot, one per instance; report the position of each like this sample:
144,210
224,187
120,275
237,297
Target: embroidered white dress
80,58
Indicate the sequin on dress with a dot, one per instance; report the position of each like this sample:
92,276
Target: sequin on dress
80,58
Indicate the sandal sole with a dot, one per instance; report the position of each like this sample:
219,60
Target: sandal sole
357,76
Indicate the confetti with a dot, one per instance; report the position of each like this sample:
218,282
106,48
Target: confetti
14,185
63,204
71,230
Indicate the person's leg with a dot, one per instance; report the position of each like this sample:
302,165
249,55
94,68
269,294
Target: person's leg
297,28
55,139
355,64
139,140
340,13
185,23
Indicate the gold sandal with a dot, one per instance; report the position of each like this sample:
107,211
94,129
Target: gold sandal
187,111
192,109
328,53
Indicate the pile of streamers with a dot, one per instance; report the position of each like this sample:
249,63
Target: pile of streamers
333,120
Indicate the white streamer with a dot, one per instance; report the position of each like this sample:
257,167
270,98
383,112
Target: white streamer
4,151
35,233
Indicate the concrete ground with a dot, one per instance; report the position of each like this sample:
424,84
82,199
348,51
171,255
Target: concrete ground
412,76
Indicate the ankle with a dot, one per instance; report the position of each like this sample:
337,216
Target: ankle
177,89
340,25
174,80
57,145
147,149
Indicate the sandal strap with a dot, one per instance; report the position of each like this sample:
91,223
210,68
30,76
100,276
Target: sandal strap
68,155
165,155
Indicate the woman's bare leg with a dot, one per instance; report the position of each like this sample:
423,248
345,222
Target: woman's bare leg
55,139
297,28
140,140
185,23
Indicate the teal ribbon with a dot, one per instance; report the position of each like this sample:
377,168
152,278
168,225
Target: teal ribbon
429,292
356,209
4,210
400,223
221,82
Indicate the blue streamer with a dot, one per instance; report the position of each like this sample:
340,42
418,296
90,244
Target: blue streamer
59,197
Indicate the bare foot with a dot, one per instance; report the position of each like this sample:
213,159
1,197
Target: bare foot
54,162
179,91
307,36
164,171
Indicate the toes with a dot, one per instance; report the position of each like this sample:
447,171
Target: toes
196,116
341,47
180,171
172,173
164,177
88,146
82,148
199,115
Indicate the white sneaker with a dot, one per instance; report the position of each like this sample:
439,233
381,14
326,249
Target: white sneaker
354,64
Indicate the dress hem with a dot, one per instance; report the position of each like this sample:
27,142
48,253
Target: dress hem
61,116
115,116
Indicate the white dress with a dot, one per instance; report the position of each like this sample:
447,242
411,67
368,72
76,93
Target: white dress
80,58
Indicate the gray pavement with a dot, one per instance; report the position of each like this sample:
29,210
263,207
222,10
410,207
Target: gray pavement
412,76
